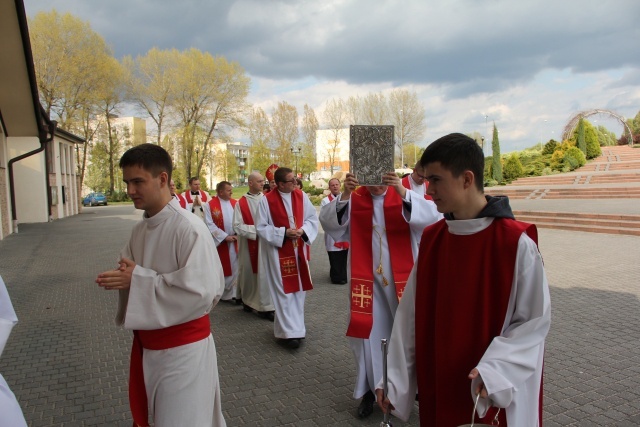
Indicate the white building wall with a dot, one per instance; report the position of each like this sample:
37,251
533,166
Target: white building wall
5,203
29,178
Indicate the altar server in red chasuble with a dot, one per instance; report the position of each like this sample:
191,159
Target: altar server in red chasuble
286,223
476,310
218,215
383,225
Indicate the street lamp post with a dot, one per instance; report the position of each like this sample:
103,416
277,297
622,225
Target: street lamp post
482,139
197,159
402,138
296,153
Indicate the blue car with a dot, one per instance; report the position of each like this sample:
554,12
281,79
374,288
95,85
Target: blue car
95,199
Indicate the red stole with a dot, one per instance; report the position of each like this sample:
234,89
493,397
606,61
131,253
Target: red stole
203,196
399,240
158,339
247,218
406,184
223,247
286,254
339,245
463,285
181,200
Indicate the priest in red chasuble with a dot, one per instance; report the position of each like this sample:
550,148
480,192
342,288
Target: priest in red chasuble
476,311
383,225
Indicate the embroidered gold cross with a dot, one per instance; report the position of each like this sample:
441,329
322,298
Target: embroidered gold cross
361,296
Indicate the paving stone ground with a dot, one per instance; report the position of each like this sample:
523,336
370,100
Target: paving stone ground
67,362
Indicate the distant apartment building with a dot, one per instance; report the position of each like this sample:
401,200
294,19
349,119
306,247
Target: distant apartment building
135,127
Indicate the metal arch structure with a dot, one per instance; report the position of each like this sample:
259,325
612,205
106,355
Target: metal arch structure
573,123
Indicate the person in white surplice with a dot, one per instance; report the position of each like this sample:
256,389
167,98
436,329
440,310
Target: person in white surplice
169,278
383,225
218,215
338,252
10,412
286,222
253,291
473,334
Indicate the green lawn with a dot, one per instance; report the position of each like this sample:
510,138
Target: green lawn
239,191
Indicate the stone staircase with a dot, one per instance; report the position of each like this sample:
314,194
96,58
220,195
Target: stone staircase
589,222
613,175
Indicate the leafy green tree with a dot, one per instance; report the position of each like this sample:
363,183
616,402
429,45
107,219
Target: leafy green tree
574,158
70,61
550,147
495,153
259,130
592,142
513,167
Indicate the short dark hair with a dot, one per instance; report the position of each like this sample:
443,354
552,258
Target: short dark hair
193,178
222,184
299,182
149,157
281,174
457,153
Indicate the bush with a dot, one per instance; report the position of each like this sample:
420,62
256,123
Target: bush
550,147
513,168
490,182
118,196
574,158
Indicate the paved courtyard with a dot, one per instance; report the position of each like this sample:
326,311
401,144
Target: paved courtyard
67,362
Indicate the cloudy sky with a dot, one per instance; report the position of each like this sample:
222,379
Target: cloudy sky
526,65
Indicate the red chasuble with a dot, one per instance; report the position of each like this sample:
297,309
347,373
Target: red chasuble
399,240
203,196
247,218
463,285
406,184
289,268
223,248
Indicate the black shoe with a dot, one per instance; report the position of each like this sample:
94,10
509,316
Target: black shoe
366,405
238,301
293,343
266,315
246,308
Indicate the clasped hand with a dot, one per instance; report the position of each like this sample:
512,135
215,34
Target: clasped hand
120,278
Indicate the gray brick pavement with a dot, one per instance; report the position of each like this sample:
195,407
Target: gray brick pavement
68,363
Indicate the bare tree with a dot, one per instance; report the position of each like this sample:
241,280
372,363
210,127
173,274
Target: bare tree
374,109
284,125
335,118
408,117
310,127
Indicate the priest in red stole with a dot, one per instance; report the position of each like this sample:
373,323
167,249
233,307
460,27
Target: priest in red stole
416,181
383,225
286,223
196,198
253,291
476,310
179,197
218,215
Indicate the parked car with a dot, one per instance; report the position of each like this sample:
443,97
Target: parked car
94,199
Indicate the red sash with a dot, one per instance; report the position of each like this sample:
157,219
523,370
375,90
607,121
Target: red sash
399,240
203,196
289,268
158,339
339,245
406,184
181,200
223,247
247,218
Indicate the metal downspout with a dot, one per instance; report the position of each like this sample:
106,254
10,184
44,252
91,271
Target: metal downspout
44,138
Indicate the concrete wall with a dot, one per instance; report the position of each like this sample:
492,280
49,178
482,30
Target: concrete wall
5,208
64,175
29,178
